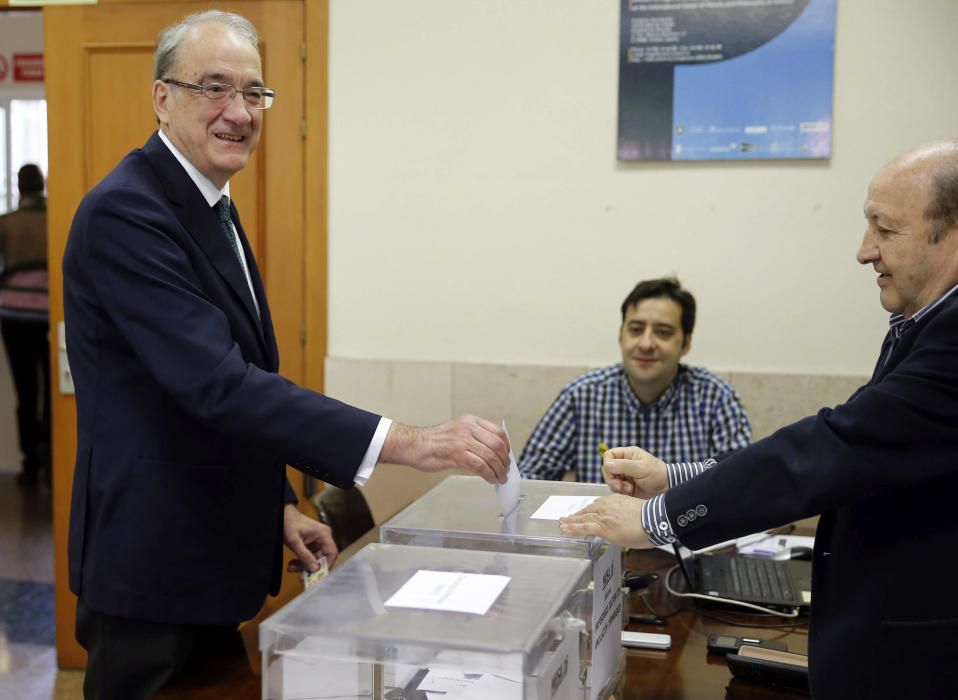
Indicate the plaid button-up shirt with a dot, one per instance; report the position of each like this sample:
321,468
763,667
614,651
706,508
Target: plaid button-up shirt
698,416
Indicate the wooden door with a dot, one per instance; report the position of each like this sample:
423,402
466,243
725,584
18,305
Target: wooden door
98,85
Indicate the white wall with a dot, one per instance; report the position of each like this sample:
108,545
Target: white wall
478,214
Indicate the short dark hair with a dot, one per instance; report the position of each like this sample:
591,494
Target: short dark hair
30,179
670,288
942,209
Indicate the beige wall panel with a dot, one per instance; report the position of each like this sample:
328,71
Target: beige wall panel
775,400
424,393
520,395
416,393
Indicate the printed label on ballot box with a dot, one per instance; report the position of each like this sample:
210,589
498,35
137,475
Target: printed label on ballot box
606,617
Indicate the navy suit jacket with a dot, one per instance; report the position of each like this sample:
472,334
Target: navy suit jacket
882,469
183,423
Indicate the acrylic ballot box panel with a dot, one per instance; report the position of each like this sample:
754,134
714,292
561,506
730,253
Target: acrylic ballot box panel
343,638
463,512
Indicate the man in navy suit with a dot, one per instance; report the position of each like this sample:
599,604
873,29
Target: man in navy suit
881,469
180,501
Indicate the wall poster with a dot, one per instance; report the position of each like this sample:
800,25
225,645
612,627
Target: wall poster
725,79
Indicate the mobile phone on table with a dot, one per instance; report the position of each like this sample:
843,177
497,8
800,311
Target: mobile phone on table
723,644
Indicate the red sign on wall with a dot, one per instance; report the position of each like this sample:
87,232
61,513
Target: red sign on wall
28,67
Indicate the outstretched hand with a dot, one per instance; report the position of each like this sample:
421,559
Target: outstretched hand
468,442
617,518
634,472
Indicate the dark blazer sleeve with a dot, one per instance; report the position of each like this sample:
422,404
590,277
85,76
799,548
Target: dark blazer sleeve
896,434
143,277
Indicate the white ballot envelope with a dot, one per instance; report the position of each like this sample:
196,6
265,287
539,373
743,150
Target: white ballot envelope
508,492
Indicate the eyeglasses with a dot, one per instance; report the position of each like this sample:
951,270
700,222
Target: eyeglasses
220,94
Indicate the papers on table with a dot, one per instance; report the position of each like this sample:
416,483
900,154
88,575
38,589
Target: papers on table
469,686
451,591
447,683
556,507
508,492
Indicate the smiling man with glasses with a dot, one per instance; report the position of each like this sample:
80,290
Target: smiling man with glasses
256,97
198,111
184,426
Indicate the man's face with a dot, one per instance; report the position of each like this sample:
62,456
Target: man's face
217,139
652,344
912,271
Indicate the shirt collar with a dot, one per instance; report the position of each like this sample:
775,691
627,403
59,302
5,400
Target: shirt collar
898,324
211,193
663,401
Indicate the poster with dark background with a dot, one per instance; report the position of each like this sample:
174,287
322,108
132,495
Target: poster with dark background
725,79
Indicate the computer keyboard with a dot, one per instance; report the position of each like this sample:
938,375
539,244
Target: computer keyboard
754,577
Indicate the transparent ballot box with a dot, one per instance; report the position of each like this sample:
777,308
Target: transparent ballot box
411,623
463,512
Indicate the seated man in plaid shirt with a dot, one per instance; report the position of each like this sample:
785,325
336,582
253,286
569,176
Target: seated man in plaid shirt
677,412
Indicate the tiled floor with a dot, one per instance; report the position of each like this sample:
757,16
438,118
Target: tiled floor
28,669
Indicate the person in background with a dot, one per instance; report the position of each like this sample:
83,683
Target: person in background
881,469
650,399
24,324
184,425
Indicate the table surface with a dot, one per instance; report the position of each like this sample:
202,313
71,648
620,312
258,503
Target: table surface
685,672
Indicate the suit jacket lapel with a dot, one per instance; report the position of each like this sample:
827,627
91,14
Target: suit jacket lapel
904,344
266,321
200,220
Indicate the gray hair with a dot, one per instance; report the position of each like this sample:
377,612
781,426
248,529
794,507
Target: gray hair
942,209
169,40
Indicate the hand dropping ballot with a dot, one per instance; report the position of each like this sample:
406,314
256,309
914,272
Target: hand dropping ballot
508,492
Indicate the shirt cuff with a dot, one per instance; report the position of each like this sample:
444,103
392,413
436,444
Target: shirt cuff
681,472
368,465
656,521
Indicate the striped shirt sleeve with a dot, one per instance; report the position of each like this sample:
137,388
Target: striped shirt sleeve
681,472
655,518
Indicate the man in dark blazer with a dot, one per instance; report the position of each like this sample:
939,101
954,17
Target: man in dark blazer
180,502
881,469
